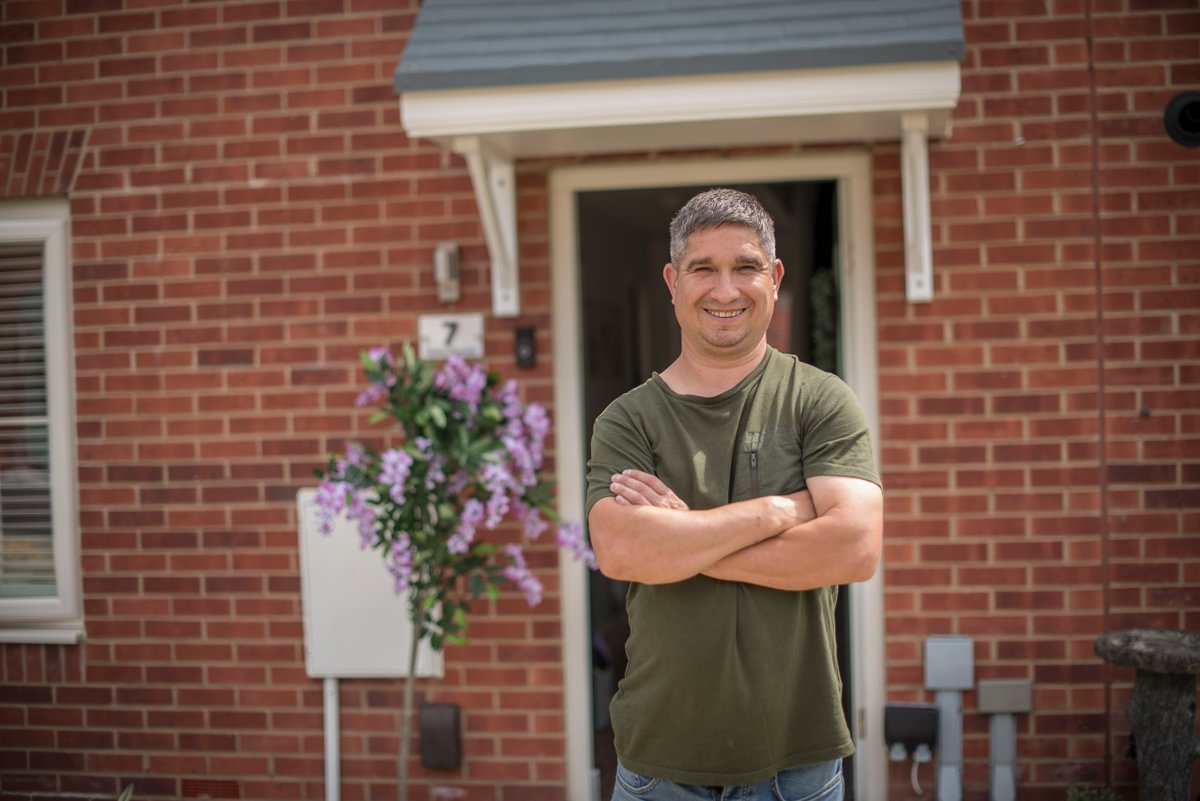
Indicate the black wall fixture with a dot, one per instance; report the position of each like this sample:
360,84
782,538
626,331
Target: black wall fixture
1182,119
441,737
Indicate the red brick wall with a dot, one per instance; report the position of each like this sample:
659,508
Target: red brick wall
1040,417
248,214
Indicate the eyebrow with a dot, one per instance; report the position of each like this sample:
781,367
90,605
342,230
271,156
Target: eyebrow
740,260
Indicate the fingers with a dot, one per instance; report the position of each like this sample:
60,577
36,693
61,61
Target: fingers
632,490
638,488
650,480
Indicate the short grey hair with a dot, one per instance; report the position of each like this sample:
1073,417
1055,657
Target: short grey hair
718,207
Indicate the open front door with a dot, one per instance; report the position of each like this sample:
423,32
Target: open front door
614,325
629,331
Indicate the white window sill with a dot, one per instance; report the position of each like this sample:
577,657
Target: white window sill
63,635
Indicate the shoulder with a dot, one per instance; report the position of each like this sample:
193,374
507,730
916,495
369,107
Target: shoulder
634,402
788,370
789,364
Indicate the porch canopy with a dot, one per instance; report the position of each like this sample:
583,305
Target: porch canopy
498,81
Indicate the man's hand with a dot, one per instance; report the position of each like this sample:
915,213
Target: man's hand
635,488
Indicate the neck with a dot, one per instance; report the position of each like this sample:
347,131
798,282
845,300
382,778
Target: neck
707,375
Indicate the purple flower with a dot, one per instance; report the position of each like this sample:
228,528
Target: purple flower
537,422
380,356
462,382
434,474
524,470
570,536
530,518
498,481
518,573
373,394
399,561
459,481
397,464
472,515
331,500
360,510
510,402
435,465
356,455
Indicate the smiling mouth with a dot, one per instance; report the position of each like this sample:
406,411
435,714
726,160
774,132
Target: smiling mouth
725,315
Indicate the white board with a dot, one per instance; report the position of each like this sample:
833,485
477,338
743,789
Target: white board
355,626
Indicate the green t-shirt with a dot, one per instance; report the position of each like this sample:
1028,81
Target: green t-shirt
729,683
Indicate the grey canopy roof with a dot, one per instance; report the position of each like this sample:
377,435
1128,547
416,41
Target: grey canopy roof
458,44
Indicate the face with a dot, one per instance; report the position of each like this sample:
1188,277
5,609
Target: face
724,291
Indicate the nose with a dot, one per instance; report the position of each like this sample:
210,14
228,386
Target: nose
724,288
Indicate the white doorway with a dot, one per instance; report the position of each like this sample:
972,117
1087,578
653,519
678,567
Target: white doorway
850,173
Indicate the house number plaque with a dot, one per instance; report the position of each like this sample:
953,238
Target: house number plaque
440,336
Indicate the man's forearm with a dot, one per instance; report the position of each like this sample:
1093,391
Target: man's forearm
839,544
654,545
819,553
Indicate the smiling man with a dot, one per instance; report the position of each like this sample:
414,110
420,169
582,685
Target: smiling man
734,491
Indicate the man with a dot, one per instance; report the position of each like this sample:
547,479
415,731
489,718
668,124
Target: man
735,491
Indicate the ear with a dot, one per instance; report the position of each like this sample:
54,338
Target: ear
778,274
670,276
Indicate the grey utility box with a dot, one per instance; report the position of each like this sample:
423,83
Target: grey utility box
1005,696
949,663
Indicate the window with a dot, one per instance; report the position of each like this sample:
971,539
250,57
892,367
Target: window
39,520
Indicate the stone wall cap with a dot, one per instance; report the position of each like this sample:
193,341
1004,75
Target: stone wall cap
1155,650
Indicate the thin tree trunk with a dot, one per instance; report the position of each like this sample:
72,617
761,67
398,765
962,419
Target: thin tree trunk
406,720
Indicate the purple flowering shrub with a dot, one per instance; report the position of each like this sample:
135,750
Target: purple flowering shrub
470,458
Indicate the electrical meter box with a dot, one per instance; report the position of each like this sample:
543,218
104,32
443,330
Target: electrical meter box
949,663
355,626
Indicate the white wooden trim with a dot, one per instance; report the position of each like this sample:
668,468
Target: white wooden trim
572,108
918,236
494,182
852,171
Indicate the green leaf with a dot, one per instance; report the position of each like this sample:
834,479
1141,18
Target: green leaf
438,415
377,416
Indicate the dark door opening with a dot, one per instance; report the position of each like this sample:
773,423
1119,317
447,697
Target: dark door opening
629,331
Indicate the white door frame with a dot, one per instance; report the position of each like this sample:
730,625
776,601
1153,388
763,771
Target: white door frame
852,171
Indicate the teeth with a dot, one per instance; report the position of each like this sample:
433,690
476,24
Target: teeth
724,314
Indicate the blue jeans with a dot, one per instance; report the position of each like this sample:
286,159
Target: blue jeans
821,781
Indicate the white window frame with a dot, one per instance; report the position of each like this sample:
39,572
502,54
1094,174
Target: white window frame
56,619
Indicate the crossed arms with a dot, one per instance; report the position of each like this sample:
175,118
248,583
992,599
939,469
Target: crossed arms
830,533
